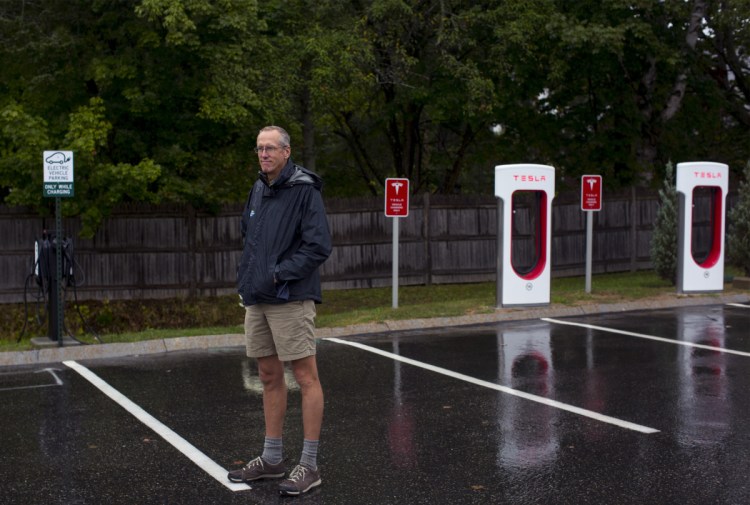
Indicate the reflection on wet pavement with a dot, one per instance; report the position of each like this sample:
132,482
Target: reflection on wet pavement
440,426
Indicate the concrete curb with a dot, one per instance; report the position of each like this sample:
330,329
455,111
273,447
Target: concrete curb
88,352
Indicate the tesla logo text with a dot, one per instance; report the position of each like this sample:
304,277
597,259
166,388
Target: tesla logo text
707,175
530,178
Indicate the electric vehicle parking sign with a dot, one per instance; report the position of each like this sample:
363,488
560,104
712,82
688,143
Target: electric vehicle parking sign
58,173
396,197
591,192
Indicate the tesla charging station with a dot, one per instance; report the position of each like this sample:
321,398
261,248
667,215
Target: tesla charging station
702,189
525,234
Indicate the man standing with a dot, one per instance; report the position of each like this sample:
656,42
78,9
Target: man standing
285,239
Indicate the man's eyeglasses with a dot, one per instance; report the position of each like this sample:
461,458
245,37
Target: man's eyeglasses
268,149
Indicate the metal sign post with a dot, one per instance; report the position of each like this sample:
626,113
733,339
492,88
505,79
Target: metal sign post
396,206
58,183
591,201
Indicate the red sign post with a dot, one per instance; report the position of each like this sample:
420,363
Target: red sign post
591,200
396,206
591,192
396,197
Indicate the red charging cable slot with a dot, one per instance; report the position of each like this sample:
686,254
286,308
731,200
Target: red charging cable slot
539,222
716,212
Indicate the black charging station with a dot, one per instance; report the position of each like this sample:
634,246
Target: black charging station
46,279
46,288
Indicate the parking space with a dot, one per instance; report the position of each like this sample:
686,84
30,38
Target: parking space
631,407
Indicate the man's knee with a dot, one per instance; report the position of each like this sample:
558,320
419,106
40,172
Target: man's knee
271,372
306,373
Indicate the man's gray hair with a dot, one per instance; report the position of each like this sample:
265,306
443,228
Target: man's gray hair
286,141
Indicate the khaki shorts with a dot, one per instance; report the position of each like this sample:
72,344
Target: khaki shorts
286,330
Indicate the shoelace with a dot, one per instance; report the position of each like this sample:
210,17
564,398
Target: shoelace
255,463
298,473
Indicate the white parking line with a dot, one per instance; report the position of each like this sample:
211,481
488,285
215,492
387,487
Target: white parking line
648,337
739,305
51,371
179,443
491,385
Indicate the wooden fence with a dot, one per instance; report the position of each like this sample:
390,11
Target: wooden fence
146,251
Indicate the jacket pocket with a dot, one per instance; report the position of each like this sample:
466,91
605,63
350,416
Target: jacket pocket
282,291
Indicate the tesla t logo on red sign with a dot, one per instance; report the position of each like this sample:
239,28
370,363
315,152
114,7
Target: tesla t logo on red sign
591,192
397,197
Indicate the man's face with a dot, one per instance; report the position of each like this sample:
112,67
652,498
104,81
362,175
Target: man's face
272,155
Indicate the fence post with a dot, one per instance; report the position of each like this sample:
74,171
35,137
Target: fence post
633,230
427,237
192,252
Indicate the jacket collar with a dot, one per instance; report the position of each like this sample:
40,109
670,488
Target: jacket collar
283,177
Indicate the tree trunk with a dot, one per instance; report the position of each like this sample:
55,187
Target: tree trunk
647,151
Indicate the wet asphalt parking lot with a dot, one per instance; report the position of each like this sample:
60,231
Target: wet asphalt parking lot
647,407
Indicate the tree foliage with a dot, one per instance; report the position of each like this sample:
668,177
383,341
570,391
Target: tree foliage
738,234
664,244
161,100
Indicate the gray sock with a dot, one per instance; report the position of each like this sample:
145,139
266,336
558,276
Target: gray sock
272,451
310,454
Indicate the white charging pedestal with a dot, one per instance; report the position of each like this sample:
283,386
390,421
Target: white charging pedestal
526,192
700,253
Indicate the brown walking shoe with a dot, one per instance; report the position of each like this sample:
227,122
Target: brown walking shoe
301,480
257,469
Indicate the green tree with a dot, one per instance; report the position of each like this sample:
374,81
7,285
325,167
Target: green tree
664,241
312,52
612,78
738,236
23,138
427,96
173,92
154,99
195,96
729,36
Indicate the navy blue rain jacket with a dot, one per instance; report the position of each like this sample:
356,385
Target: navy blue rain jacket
285,236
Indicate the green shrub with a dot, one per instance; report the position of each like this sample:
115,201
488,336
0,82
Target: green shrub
664,242
738,236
